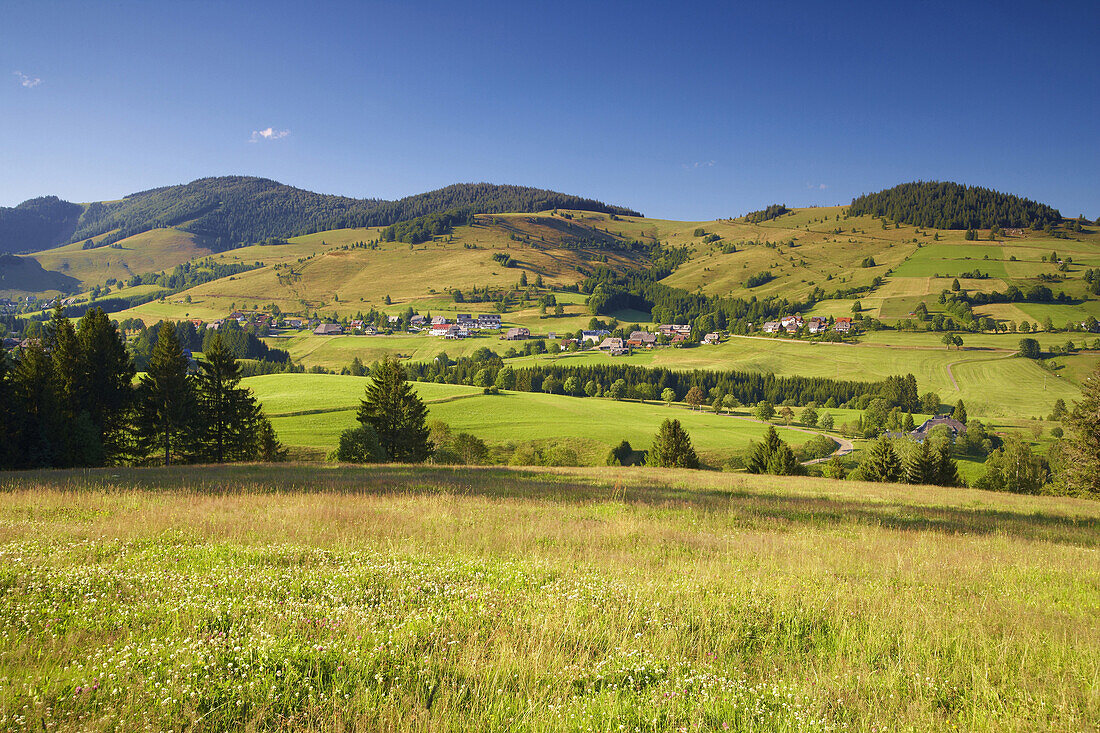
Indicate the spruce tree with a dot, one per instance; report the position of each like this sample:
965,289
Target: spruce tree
762,452
783,461
1082,475
882,463
41,422
920,465
960,412
396,413
228,415
947,471
672,447
166,402
107,379
10,426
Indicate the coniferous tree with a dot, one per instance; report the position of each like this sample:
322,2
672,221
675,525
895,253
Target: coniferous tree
773,456
960,412
882,463
396,413
166,409
35,389
228,415
672,447
783,461
920,466
1082,475
947,471
106,383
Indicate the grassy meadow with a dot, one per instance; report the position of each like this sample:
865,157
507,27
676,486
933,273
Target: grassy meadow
429,599
311,410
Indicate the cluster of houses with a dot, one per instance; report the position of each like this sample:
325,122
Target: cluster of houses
461,327
813,325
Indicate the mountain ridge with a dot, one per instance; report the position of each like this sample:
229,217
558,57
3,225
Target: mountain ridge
231,211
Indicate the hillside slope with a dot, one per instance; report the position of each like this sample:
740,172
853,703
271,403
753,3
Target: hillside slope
229,211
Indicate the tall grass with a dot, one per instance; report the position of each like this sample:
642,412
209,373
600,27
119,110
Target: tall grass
399,598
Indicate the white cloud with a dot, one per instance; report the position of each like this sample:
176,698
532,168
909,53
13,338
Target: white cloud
28,81
818,186
269,134
698,164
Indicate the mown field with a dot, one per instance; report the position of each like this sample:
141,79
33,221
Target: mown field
421,599
311,410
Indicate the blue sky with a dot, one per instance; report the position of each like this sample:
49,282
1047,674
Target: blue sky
681,110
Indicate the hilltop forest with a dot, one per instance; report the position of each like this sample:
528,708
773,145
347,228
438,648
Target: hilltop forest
943,205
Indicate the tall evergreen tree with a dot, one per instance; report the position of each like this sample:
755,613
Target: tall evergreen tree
107,376
1082,475
10,425
947,471
396,413
920,465
960,412
228,415
166,409
35,391
672,447
773,456
882,463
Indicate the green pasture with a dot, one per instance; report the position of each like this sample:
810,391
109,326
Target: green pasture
311,410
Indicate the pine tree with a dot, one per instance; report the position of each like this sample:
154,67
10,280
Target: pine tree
228,415
166,402
395,412
960,412
9,425
947,471
882,463
783,461
920,465
106,383
909,425
1082,475
35,390
672,447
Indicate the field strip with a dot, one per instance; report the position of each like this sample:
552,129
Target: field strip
326,410
951,376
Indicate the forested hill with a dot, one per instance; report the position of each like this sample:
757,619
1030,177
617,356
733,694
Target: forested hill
37,224
233,210
942,205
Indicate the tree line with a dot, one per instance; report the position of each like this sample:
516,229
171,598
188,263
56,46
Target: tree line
945,205
486,369
69,399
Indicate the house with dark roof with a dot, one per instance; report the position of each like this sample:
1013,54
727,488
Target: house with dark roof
328,329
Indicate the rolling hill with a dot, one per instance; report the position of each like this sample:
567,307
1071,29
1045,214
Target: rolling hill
229,211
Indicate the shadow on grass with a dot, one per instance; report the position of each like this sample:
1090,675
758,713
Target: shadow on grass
771,509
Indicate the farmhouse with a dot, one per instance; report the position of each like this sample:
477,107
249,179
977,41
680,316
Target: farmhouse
712,338
817,324
456,332
843,325
668,329
678,338
440,329
517,334
771,327
328,329
611,344
417,321
640,339
439,321
594,337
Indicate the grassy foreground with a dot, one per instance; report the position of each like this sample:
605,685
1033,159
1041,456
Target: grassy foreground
397,598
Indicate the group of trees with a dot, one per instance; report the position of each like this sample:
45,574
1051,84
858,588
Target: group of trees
69,400
485,368
926,462
943,205
773,211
